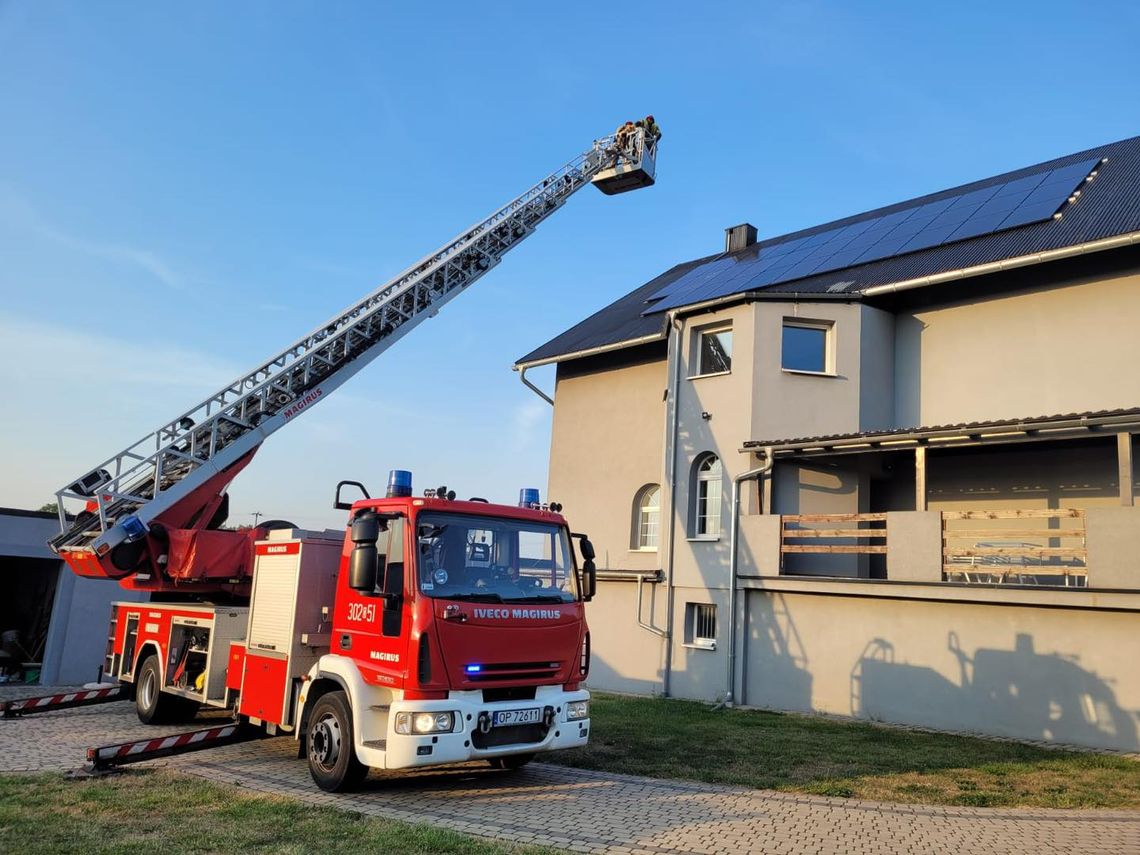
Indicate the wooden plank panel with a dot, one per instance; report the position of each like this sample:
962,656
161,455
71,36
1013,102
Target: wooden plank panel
1041,552
827,549
834,517
835,532
991,533
999,570
1027,514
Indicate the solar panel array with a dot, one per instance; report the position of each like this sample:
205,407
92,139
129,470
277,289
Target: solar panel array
1005,205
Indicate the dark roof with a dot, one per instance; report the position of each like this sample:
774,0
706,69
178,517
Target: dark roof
1108,206
618,322
963,433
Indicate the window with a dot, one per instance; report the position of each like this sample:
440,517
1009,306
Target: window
700,625
492,559
707,494
712,351
646,517
806,346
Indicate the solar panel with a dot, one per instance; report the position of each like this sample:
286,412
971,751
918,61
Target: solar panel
1030,199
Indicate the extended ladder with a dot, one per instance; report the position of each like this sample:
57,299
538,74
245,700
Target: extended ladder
124,493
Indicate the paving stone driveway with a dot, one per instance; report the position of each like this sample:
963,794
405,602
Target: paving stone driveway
591,811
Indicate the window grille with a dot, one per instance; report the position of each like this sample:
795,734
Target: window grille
700,625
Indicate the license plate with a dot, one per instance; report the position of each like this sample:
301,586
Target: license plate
505,718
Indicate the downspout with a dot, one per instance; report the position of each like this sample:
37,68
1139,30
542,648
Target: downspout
671,460
532,387
733,560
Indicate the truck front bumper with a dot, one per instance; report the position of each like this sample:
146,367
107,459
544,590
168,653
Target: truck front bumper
476,736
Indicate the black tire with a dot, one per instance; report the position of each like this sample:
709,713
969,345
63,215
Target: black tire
512,761
152,704
330,745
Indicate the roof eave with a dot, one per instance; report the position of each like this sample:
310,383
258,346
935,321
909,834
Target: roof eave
590,351
1033,258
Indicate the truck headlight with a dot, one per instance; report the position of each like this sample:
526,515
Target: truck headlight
577,710
425,722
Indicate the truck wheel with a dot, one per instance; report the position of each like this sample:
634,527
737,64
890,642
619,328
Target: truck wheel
511,761
332,757
151,703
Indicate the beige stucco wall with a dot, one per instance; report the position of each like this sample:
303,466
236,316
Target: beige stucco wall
606,444
727,399
625,657
1052,351
857,397
1065,675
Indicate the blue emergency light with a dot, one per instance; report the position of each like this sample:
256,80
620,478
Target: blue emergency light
399,484
134,527
474,669
528,496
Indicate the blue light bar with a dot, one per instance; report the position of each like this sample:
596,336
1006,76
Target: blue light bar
399,483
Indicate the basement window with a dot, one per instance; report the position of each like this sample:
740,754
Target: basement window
807,346
700,625
712,351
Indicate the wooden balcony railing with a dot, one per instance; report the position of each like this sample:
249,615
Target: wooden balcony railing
834,534
1046,547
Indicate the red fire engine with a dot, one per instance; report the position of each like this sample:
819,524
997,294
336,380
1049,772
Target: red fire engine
430,631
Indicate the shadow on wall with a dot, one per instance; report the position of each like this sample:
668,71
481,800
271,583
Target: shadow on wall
775,656
1017,692
624,656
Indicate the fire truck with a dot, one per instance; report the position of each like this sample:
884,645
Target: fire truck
431,630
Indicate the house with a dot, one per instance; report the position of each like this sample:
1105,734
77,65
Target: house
880,468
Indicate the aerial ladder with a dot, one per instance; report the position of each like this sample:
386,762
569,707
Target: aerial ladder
150,516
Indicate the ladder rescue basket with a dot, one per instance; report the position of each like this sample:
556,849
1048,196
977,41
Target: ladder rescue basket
632,170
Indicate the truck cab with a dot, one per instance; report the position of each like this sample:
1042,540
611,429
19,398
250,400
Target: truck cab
458,633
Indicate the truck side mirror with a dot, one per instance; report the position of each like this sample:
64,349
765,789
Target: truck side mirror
587,549
589,577
589,580
363,568
364,561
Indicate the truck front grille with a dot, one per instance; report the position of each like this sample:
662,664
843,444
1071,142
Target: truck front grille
514,671
519,734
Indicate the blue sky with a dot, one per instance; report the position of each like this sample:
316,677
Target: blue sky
186,189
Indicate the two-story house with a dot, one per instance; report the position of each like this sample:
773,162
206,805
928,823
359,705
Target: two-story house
882,467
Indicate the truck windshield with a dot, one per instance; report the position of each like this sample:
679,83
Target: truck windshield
492,559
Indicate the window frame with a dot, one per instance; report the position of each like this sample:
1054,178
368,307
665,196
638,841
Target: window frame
697,617
699,334
828,330
635,544
699,479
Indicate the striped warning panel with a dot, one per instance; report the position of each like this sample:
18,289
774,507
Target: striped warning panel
64,700
165,746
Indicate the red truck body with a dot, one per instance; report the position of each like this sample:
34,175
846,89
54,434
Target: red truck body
488,640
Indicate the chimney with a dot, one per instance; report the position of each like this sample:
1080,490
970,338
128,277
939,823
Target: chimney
739,237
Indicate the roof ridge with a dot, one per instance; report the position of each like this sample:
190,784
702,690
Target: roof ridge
959,189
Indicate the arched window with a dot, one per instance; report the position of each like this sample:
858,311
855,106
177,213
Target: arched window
646,517
707,492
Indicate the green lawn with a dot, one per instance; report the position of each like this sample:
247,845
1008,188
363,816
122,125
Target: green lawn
147,812
804,754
